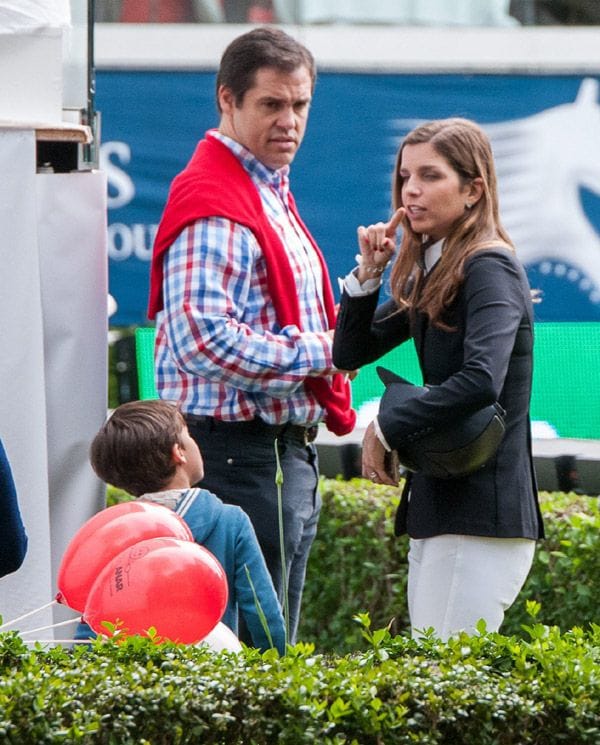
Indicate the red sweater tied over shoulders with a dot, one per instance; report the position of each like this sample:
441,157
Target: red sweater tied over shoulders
215,184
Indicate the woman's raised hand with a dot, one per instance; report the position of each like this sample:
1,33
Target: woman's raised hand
377,245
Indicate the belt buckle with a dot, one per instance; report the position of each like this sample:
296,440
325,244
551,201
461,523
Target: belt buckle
310,434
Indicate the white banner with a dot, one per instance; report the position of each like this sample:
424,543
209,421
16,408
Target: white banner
17,16
22,379
73,275
53,300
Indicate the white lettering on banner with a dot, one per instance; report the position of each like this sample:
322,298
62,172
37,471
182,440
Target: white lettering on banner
131,241
121,189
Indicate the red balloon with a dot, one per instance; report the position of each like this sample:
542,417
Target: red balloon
175,586
105,535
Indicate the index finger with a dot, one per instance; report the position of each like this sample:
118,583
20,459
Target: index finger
395,221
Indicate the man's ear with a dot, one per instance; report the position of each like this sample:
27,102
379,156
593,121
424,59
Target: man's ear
226,99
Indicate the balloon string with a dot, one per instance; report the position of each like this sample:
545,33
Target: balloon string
26,615
284,576
51,626
56,641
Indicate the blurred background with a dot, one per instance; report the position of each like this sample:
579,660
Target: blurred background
526,70
434,12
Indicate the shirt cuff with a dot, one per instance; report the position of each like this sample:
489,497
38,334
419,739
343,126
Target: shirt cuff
379,434
354,288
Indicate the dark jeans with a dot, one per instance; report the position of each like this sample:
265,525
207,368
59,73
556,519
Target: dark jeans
240,468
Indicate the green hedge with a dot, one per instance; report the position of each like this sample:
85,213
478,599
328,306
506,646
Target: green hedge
538,686
357,565
486,690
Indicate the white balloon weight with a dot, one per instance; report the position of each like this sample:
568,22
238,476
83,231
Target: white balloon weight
222,638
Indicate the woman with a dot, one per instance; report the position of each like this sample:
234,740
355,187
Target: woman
461,294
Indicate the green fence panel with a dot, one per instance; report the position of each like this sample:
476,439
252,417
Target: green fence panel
566,379
144,357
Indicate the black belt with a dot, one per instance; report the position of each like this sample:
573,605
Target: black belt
297,432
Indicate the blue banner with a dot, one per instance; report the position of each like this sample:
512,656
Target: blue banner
545,131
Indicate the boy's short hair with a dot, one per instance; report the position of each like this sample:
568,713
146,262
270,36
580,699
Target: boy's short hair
134,448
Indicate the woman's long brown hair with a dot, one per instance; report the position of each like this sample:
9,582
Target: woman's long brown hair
467,150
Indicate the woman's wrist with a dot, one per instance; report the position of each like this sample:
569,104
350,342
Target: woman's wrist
373,270
369,271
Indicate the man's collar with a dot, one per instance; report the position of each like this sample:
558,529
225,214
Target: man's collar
254,166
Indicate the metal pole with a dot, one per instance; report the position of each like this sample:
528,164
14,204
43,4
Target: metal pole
91,151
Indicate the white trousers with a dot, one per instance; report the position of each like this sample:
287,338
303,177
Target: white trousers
455,580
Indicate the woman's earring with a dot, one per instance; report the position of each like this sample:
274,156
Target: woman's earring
468,205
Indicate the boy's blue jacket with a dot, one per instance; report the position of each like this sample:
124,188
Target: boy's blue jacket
226,531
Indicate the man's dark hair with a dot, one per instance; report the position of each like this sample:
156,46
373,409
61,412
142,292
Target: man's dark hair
261,47
134,448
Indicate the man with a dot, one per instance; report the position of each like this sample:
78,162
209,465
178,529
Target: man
244,306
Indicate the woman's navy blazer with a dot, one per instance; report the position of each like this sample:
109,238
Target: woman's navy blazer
486,357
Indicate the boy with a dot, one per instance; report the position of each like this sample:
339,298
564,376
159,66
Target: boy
145,448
